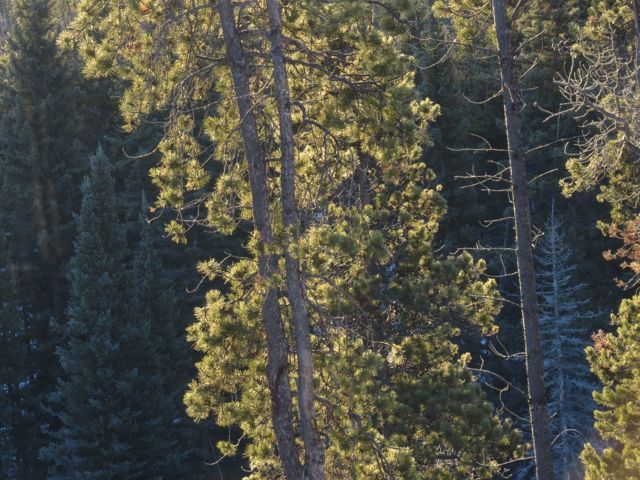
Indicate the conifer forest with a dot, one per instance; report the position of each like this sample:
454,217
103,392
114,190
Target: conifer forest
319,239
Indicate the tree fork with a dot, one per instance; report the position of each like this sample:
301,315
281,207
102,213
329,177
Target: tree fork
277,345
314,451
524,250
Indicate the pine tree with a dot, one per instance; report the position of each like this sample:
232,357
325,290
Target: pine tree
564,325
385,310
530,32
115,400
604,84
615,359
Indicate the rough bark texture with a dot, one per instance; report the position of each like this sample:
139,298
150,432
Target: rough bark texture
278,367
524,250
636,28
314,451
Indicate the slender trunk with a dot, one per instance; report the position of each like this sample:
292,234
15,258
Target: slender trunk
278,366
524,250
636,28
361,177
314,451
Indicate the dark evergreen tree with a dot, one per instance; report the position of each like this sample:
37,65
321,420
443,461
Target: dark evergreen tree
13,379
116,403
13,354
154,305
40,169
39,152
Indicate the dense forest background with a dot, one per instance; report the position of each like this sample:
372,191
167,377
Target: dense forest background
276,239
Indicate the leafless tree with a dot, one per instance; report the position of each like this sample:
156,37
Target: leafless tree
600,89
524,249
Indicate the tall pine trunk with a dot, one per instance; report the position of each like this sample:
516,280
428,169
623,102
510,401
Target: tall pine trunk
524,249
636,28
314,452
278,366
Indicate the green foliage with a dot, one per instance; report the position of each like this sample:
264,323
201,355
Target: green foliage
39,172
615,359
40,127
14,352
393,398
117,349
380,106
385,409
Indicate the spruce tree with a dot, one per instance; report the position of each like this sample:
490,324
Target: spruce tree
4,20
115,400
14,357
564,324
14,350
39,172
39,142
153,304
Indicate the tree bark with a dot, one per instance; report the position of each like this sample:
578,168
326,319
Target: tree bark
277,345
524,250
314,451
636,28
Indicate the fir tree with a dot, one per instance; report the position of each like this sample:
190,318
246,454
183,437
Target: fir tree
153,304
39,172
14,350
115,399
38,138
14,358
4,20
564,325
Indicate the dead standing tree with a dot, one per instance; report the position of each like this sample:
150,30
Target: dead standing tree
524,247
601,91
512,179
